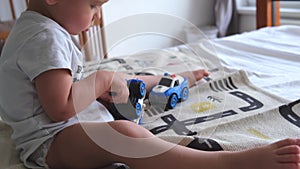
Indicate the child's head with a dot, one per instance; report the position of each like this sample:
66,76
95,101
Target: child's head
74,15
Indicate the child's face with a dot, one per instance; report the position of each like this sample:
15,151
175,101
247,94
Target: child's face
76,15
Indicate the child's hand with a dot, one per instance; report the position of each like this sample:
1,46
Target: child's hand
117,90
194,76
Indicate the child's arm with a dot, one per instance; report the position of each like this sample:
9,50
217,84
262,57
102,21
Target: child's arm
62,99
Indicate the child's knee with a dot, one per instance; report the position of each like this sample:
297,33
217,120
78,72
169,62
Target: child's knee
130,129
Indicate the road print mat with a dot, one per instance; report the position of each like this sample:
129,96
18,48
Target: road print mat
228,113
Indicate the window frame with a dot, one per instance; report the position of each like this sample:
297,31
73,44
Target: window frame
288,9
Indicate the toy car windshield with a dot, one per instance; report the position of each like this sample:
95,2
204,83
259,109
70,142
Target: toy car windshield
165,82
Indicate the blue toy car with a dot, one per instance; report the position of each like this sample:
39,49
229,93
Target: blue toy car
133,109
170,90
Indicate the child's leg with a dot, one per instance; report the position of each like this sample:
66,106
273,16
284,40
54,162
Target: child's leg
74,149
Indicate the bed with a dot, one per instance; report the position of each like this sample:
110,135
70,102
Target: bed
252,92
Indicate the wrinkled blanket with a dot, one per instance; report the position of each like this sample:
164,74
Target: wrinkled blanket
228,113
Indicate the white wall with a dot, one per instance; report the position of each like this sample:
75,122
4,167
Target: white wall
136,25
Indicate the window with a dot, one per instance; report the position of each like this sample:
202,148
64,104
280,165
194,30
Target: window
289,10
283,4
176,83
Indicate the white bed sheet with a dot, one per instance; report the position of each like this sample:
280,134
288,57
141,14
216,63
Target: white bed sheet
271,57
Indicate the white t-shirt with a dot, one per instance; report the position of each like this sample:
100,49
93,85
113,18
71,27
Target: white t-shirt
37,44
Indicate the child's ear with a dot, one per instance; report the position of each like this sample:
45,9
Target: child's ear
51,2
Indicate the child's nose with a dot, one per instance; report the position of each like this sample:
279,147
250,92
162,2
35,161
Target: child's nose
97,15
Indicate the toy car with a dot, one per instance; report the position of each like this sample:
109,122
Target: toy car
170,90
133,109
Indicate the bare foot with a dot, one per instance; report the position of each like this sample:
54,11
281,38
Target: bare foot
284,154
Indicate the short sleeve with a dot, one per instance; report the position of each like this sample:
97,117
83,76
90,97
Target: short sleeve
46,50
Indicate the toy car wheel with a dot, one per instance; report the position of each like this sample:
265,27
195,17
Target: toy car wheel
184,94
138,108
138,89
173,99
